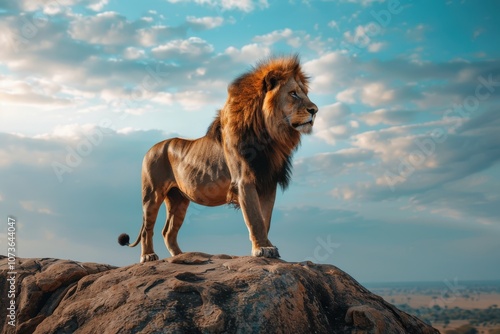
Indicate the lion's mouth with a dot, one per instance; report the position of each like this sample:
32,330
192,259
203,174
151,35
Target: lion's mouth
310,121
296,125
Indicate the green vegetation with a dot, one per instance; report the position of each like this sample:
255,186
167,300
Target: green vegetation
465,329
489,316
443,295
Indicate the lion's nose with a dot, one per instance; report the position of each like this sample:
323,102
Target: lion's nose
312,109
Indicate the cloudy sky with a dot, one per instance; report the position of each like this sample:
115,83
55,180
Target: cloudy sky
398,182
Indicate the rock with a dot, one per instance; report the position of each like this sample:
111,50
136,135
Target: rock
40,286
198,293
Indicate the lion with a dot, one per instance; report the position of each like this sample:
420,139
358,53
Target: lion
245,154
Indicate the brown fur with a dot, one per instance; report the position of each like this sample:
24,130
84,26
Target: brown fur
244,155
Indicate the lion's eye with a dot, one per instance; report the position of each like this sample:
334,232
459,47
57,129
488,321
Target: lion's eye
294,95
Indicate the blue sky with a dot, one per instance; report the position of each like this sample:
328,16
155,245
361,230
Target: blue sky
398,182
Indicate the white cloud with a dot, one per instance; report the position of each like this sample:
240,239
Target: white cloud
333,24
440,173
163,98
33,99
133,53
206,22
331,114
98,6
152,35
370,93
363,35
363,2
53,7
107,28
326,166
192,99
295,39
416,158
333,133
418,32
478,32
109,170
376,47
35,206
17,150
376,93
345,193
243,5
195,100
248,53
113,29
388,116
330,72
193,47
31,92
347,95
332,123
274,36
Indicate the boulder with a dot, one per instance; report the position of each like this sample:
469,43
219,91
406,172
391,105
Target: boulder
40,285
197,293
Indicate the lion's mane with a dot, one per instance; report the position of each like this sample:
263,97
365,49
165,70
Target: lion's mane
252,119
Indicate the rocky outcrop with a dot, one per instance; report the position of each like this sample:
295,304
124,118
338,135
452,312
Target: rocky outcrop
197,293
40,286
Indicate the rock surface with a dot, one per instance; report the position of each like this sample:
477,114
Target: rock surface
196,293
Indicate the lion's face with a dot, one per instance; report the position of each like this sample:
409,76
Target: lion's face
297,110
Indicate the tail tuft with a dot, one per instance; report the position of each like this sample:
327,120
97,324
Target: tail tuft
124,239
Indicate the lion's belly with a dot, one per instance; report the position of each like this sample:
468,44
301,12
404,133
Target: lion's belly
201,173
207,192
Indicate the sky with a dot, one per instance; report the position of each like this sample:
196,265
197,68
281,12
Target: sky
398,182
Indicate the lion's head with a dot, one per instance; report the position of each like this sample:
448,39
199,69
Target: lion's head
266,111
286,101
273,98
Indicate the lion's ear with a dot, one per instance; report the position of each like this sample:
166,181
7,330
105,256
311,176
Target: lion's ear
271,81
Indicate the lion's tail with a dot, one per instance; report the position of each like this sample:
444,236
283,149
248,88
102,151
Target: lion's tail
124,239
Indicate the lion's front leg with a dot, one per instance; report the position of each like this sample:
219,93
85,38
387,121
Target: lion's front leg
267,205
270,252
254,219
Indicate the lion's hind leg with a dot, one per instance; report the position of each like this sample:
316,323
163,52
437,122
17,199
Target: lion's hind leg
151,204
176,205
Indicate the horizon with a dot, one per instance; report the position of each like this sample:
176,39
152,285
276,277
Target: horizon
494,282
398,181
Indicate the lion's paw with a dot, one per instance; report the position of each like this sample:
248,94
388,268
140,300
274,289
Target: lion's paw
271,252
149,257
